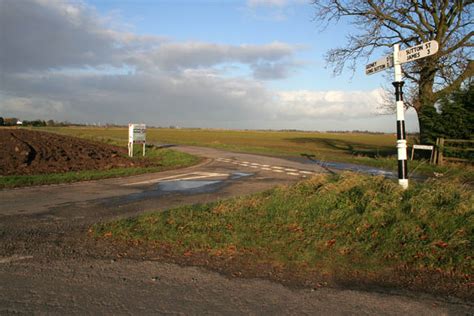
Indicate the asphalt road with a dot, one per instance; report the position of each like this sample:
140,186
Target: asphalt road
49,265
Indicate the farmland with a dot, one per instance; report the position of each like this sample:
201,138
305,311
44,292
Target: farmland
377,150
34,158
346,147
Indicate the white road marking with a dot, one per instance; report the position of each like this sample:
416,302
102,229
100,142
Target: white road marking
278,169
14,258
185,176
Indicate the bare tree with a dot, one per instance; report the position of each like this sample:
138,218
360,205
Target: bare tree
380,24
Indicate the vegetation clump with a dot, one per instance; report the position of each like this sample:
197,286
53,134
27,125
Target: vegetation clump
349,227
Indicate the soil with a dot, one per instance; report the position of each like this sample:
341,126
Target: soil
26,152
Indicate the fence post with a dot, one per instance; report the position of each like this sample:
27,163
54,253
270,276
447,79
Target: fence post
432,156
440,151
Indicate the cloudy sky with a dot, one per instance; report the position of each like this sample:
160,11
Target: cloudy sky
256,64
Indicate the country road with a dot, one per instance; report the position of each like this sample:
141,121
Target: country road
48,264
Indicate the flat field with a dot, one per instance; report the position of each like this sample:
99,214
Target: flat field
376,150
345,147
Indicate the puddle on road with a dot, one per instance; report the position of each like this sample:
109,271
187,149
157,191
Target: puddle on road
184,187
359,168
355,168
238,175
347,166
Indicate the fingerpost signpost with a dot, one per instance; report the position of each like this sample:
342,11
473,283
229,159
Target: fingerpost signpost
136,135
395,60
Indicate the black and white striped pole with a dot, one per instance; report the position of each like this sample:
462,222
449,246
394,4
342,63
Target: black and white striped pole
399,57
401,135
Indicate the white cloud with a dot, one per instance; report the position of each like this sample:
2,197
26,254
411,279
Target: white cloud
190,98
268,61
329,104
31,107
182,98
52,34
60,60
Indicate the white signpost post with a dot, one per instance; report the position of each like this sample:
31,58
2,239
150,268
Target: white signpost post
136,135
395,60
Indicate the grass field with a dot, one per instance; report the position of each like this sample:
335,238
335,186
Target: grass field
376,150
267,142
350,227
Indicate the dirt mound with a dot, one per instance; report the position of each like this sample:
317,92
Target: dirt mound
31,152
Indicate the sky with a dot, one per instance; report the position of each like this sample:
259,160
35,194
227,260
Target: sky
248,64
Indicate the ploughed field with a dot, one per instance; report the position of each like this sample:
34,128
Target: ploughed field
26,152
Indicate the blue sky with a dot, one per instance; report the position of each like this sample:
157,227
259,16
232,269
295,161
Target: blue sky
225,64
236,23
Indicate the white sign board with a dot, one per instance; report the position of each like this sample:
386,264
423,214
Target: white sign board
425,147
379,65
136,133
418,51
404,56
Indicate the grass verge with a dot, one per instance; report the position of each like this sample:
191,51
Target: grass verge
165,159
348,228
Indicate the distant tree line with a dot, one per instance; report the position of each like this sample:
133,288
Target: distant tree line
8,121
356,131
35,123
13,121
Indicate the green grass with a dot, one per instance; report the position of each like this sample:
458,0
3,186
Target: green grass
265,142
165,159
376,150
357,224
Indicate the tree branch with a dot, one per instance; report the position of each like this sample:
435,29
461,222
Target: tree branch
467,73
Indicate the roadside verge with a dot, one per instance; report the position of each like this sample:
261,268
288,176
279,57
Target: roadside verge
342,230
